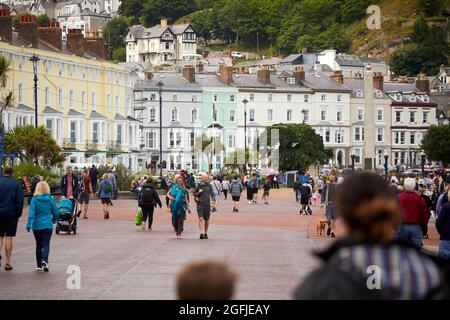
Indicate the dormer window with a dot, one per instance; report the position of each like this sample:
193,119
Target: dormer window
378,94
398,97
412,97
291,80
359,93
425,98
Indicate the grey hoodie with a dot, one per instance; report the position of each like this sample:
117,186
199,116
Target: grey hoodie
236,188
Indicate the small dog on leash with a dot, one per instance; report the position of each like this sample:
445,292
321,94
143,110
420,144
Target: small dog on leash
320,226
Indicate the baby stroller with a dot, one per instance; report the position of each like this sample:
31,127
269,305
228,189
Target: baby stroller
67,218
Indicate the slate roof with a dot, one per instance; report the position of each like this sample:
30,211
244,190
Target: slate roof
96,115
25,108
50,110
119,117
73,112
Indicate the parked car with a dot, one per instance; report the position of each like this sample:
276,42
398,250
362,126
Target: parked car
236,54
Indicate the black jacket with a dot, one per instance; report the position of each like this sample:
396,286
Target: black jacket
155,197
75,186
345,273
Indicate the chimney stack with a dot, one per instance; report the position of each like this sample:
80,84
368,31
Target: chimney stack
27,29
200,67
338,77
402,79
75,42
5,25
441,69
95,43
148,75
299,75
264,75
51,34
163,23
226,74
189,73
422,83
378,81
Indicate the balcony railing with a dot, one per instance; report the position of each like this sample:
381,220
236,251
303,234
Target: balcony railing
69,144
114,146
92,146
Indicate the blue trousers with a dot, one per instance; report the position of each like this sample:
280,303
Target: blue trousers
42,245
411,233
444,249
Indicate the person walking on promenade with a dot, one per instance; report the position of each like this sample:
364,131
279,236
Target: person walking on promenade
225,187
255,184
328,201
249,187
370,212
296,187
34,183
443,228
443,199
70,185
204,195
148,198
236,189
179,204
85,193
105,193
166,184
11,206
93,174
113,179
415,215
266,189
305,196
42,215
217,191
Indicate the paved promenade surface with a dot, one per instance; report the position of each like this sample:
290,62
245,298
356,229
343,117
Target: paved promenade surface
268,246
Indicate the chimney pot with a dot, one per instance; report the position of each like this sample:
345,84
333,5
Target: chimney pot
264,75
226,74
422,83
189,73
5,25
299,75
27,29
163,22
378,81
338,77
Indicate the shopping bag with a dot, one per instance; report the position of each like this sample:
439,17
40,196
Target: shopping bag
139,217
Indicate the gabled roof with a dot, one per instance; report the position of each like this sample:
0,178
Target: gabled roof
349,60
132,119
155,32
96,115
50,110
119,117
24,108
139,31
179,28
73,112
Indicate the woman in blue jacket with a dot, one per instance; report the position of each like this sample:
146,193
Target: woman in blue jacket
42,215
106,193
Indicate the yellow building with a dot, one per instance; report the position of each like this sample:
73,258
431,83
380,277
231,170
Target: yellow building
84,102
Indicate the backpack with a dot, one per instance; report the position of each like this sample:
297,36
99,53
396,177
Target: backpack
81,186
146,196
108,187
305,191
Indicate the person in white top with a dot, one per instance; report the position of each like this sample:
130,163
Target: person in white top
225,187
216,187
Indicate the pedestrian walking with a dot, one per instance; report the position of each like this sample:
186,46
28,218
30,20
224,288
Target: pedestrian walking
42,215
217,191
443,228
370,213
34,183
148,199
328,201
166,184
204,194
415,215
296,187
11,205
249,187
70,186
236,189
266,189
105,193
178,194
225,187
443,199
305,196
112,177
93,174
255,184
85,193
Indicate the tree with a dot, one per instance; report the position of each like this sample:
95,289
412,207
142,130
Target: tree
429,8
119,55
34,145
115,32
154,10
131,9
235,159
42,20
436,143
299,146
6,99
209,147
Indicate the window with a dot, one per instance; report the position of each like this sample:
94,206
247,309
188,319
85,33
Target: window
93,102
174,115
171,139
400,137
192,139
306,98
231,140
339,115
323,114
289,98
270,115
175,97
152,112
358,155
178,138
232,98
71,99
21,62
117,104
323,97
360,114
94,132
380,114
305,115
412,116
252,115
359,93
269,97
215,98
194,115
327,135
398,116
60,98
21,93
150,140
412,138
339,136
152,96
49,126
194,97
380,134
425,115
61,69
359,134
252,97
73,131
167,45
289,115
108,102
290,80
339,97
119,134
47,96
83,100
232,115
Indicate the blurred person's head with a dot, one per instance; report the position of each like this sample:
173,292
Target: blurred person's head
205,177
180,181
206,280
42,188
409,184
69,170
331,178
368,207
8,171
149,180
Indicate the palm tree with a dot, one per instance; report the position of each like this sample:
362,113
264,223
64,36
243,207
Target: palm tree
6,99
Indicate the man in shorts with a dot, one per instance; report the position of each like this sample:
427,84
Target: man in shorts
11,205
203,194
328,197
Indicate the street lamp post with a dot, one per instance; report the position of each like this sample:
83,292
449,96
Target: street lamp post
386,157
353,156
35,59
160,85
422,162
245,101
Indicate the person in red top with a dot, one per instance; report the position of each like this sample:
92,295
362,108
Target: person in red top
415,215
85,193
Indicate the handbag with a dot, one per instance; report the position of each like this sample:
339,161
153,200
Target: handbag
139,217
